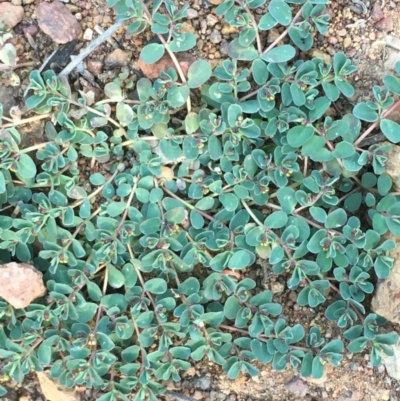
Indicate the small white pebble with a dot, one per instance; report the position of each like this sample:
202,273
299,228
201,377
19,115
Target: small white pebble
88,34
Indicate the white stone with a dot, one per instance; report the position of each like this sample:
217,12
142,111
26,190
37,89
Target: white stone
88,34
392,363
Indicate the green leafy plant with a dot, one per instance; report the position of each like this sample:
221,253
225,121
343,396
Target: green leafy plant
8,57
146,215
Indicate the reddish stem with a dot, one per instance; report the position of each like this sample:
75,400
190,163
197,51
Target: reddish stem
375,124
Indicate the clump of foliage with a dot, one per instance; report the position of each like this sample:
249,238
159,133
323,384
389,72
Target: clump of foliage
8,56
146,215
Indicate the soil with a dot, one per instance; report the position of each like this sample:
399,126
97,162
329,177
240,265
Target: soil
350,31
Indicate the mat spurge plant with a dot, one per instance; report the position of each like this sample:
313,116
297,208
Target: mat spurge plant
146,215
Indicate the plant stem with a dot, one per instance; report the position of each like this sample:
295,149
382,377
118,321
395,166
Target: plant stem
255,25
188,205
360,316
26,120
305,167
128,101
137,331
262,225
375,124
94,111
128,203
14,67
261,337
308,206
34,147
97,191
139,274
153,138
348,194
94,350
285,32
171,54
251,213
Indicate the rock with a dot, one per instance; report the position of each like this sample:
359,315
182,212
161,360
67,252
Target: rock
192,13
215,36
94,66
332,40
228,29
152,71
347,42
20,284
173,396
202,382
354,366
390,63
52,391
203,26
381,368
385,24
393,41
273,35
223,47
58,22
118,58
351,53
32,30
215,2
198,395
211,20
384,395
392,165
377,13
392,363
277,287
186,27
88,34
297,386
325,57
11,14
386,299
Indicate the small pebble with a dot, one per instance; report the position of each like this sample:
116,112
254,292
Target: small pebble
88,34
215,36
202,383
347,42
223,46
353,366
33,30
297,386
118,58
203,25
212,20
385,24
192,13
